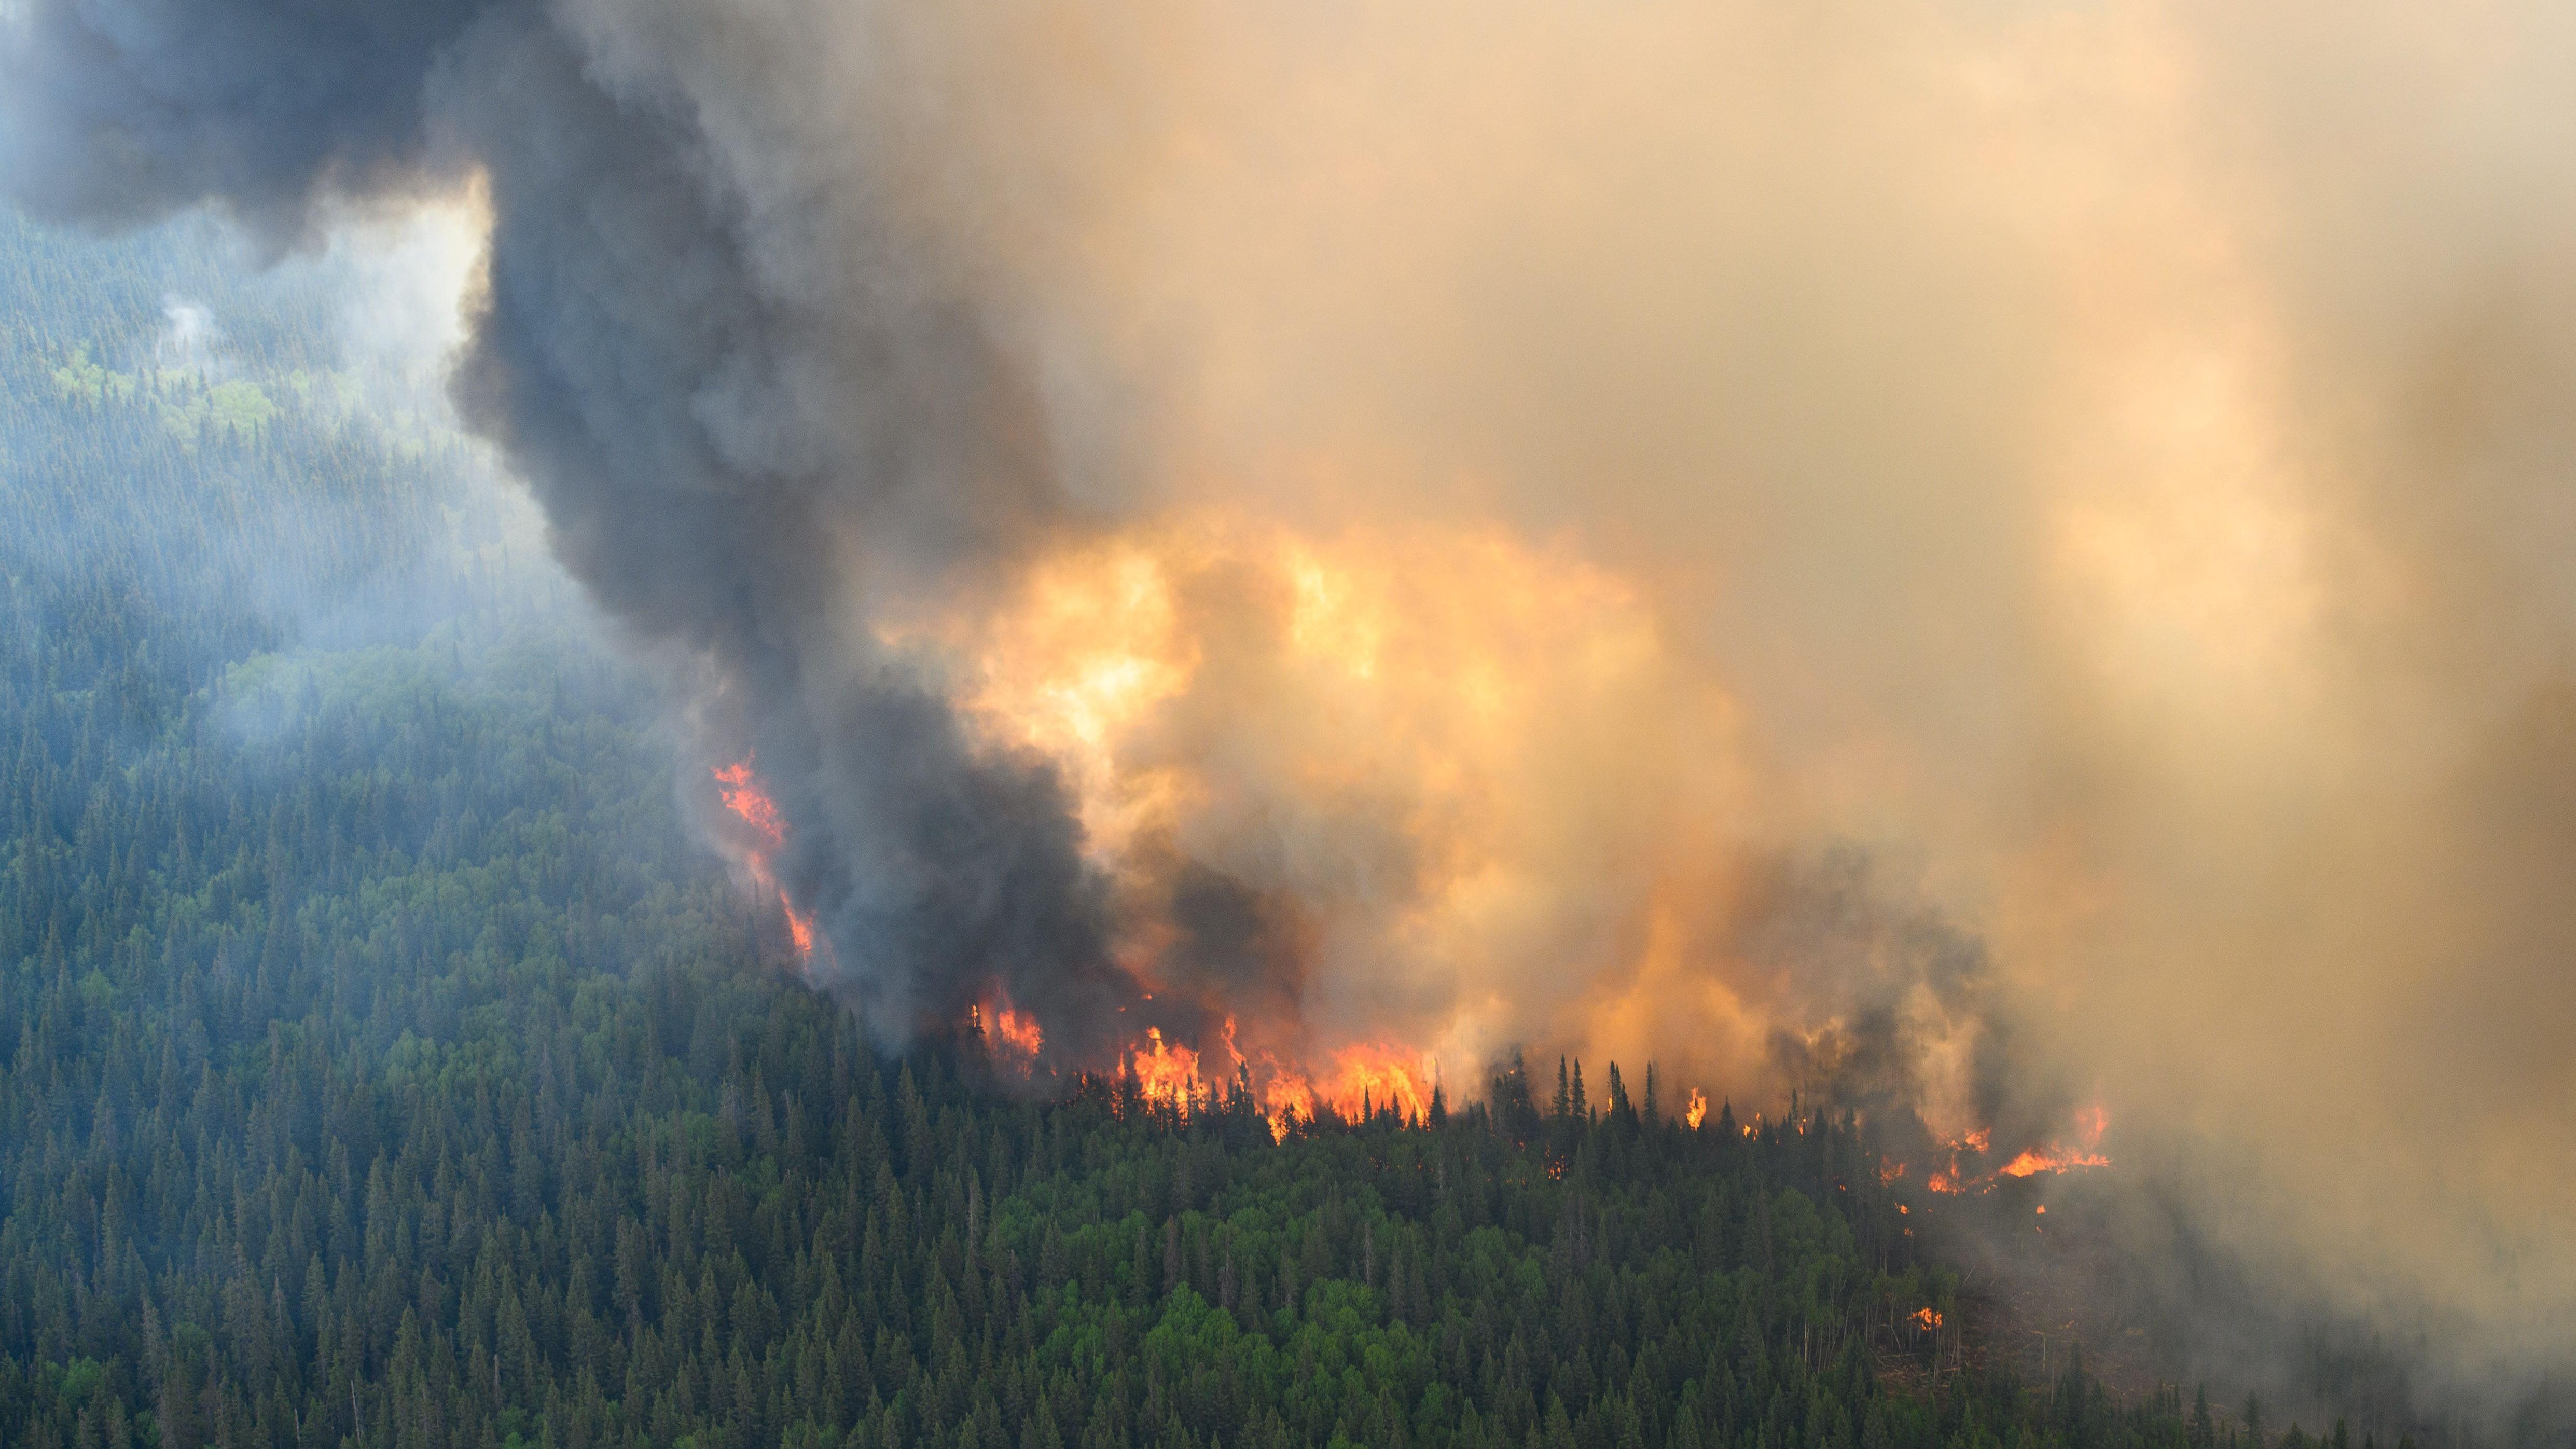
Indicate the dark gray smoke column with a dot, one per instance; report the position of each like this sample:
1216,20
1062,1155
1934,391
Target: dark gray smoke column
733,408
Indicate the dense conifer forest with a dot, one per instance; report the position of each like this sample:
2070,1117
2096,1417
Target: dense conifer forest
386,1066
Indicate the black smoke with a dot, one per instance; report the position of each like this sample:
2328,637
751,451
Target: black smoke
732,410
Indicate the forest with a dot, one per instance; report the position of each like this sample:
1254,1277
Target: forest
386,1065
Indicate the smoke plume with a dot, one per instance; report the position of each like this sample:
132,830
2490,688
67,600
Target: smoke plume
1990,557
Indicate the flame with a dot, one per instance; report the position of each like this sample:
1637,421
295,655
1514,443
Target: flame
1170,1076
1286,1100
1378,1077
1360,1079
1697,1111
743,796
2091,1122
1890,1172
1211,683
2033,1160
1436,747
1010,1034
740,790
1167,1075
1018,1031
1926,1319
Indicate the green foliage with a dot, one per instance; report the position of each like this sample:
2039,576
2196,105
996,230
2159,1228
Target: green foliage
384,1066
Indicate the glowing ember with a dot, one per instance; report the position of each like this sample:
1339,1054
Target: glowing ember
1697,1112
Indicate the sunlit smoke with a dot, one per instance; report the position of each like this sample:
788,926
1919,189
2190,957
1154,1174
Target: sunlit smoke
1963,560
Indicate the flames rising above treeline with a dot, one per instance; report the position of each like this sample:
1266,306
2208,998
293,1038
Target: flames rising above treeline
1359,1084
1086,699
1362,804
1965,561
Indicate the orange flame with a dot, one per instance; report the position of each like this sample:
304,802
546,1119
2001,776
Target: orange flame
2032,1160
1419,669
1018,1031
1010,1034
1286,1101
742,794
1697,1112
1378,1077
1362,1079
1926,1319
2092,1121
1173,1076
1890,1172
744,797
1168,1075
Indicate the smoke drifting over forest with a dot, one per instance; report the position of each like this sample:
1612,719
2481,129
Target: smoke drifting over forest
1989,557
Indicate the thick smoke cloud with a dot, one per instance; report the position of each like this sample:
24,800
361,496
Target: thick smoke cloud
1476,522
737,409
743,417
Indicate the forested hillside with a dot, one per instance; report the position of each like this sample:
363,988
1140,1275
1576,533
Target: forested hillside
385,1066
